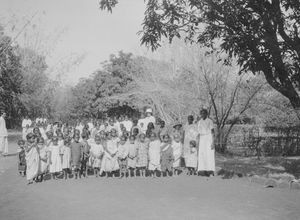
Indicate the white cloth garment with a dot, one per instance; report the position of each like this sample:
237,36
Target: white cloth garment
206,155
154,155
3,136
32,163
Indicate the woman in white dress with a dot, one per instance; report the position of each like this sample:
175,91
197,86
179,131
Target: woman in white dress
32,158
206,150
55,158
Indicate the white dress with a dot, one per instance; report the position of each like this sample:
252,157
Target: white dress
154,155
3,137
132,155
109,162
206,156
66,152
191,158
96,152
177,152
56,165
32,163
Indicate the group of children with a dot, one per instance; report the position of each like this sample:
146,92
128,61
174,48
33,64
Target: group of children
73,152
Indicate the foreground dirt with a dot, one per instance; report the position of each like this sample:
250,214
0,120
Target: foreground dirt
162,198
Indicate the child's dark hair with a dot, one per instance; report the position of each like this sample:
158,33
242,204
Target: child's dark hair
123,137
131,137
21,142
193,143
40,140
30,135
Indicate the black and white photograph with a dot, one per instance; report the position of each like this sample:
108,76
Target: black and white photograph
150,109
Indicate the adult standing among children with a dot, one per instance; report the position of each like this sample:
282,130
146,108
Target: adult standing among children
148,119
206,155
3,135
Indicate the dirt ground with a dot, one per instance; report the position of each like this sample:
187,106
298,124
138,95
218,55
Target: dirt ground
140,198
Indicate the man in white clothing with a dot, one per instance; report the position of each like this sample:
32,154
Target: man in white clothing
149,118
206,150
3,135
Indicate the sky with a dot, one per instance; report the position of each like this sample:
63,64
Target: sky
75,28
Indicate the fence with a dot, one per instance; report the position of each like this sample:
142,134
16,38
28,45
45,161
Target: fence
247,140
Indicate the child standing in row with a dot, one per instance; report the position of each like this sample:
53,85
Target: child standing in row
167,157
43,152
154,155
76,155
55,158
22,158
177,152
192,158
142,155
66,157
123,149
132,156
96,154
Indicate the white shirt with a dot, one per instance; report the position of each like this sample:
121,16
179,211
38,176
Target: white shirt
3,130
26,122
205,126
128,125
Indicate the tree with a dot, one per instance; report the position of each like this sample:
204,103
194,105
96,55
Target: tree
91,96
10,79
263,35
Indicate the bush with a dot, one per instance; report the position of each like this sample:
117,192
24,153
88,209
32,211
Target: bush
293,167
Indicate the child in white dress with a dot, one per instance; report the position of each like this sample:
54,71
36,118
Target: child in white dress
55,158
192,158
96,154
177,153
154,155
66,157
132,156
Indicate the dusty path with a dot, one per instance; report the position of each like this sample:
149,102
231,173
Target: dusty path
174,198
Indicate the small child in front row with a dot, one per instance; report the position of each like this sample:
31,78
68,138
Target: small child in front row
96,154
192,158
154,155
123,147
167,157
142,155
66,157
132,156
76,155
22,159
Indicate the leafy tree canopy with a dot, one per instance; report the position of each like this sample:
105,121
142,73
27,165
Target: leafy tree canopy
262,34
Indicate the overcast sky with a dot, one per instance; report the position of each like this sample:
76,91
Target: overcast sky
86,29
